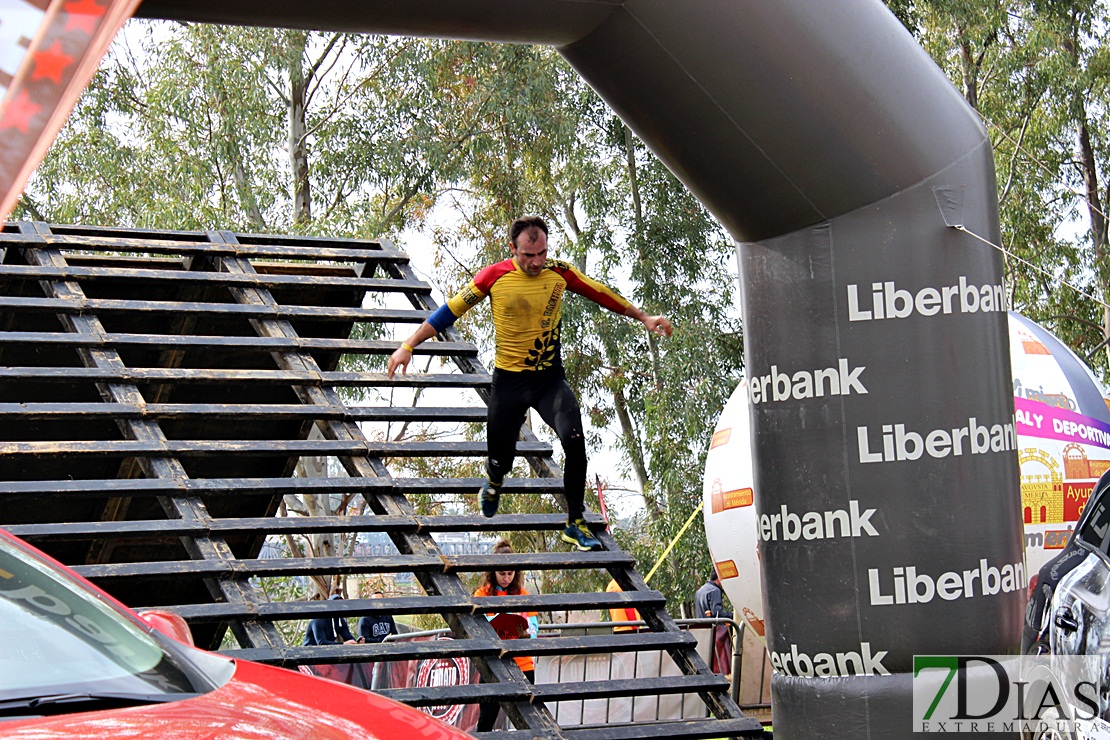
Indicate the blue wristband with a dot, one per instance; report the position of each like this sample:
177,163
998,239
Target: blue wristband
442,318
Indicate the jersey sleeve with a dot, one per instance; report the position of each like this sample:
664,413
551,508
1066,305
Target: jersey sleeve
470,296
585,286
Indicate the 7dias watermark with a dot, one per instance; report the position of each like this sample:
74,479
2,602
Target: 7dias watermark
1009,693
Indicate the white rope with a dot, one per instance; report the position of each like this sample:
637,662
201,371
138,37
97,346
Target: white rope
1027,263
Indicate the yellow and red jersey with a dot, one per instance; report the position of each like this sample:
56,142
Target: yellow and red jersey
524,661
527,309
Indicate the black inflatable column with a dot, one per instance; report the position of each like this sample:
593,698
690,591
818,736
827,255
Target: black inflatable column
877,358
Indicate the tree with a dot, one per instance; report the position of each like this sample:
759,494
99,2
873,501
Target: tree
1036,72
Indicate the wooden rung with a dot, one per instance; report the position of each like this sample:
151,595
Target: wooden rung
195,486
421,604
532,735
263,567
190,376
16,305
466,648
204,342
245,525
276,247
505,522
268,486
690,728
67,411
288,525
163,277
465,694
369,653
223,448
539,561
471,485
356,564
581,690
618,642
299,610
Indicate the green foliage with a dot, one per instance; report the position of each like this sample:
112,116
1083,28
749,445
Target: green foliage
1037,73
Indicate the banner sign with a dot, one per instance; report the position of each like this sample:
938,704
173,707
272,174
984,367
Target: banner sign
1063,428
403,674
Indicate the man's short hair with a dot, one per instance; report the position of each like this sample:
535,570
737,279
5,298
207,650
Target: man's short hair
713,575
523,224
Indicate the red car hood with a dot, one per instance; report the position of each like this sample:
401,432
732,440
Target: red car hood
259,703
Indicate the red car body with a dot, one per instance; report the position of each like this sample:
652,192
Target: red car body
251,701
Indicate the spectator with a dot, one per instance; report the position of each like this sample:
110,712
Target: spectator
709,599
506,583
329,630
376,627
709,602
622,614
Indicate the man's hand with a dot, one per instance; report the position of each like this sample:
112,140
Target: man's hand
655,324
658,325
399,359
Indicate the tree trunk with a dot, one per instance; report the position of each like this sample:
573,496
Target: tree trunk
970,72
638,238
298,129
632,443
1097,212
228,145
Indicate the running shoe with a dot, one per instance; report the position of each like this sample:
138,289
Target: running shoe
578,534
490,496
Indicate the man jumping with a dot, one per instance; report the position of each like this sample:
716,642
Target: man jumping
526,293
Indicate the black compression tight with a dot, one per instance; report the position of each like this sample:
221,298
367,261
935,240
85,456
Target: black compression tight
547,392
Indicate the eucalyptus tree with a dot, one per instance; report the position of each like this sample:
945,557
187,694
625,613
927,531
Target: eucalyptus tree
1035,72
1076,54
619,215
200,126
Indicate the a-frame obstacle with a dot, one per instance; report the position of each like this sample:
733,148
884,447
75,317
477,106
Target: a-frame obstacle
157,390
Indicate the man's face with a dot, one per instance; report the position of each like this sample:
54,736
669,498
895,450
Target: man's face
530,251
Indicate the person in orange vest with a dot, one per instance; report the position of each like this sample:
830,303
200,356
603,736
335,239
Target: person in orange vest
622,614
507,583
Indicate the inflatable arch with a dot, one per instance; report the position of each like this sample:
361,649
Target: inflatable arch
823,138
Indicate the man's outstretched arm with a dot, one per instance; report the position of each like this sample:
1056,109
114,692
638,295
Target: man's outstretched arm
445,315
603,295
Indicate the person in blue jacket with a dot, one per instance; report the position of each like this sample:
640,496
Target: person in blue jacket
376,627
329,630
